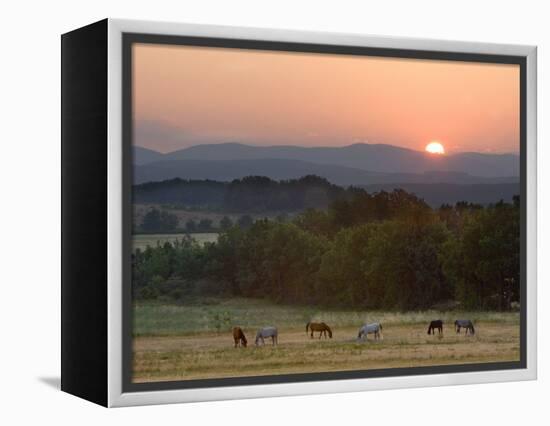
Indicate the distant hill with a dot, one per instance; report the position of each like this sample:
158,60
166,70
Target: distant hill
370,157
144,155
436,194
251,194
281,169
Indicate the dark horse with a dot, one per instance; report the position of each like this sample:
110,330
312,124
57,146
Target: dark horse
239,337
321,327
467,324
437,324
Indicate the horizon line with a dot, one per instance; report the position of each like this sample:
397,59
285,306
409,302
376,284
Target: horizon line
328,147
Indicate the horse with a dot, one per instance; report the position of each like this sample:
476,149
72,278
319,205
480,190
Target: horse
435,324
467,324
266,332
239,337
321,327
367,329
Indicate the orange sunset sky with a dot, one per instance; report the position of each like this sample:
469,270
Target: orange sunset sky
185,96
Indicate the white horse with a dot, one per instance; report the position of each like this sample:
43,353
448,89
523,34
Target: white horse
266,332
467,324
374,328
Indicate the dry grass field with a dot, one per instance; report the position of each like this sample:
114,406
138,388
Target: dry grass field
194,341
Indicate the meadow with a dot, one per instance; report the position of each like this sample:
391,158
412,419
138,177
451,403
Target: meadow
141,241
193,340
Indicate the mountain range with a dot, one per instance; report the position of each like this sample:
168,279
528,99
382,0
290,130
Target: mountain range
473,177
358,164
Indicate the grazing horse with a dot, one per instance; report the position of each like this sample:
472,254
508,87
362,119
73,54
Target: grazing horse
266,332
321,327
435,324
467,324
375,328
239,337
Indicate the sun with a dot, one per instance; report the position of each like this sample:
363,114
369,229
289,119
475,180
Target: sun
435,148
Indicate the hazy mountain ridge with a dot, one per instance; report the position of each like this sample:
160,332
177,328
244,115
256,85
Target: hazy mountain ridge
281,169
367,157
144,155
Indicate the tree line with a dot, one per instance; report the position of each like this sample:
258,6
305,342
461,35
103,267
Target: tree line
157,221
252,194
388,250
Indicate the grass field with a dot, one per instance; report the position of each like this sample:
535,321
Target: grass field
141,241
194,341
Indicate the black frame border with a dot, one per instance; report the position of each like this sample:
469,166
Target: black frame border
84,233
128,39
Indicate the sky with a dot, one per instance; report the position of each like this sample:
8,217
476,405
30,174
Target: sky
185,96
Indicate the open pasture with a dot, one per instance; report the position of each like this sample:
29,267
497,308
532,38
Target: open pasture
194,341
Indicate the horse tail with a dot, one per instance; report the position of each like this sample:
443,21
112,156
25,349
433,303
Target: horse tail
380,325
307,327
473,330
329,331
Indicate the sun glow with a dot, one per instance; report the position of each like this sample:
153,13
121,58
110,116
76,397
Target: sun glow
435,148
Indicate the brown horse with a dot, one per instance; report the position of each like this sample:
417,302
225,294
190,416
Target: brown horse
321,327
239,337
435,325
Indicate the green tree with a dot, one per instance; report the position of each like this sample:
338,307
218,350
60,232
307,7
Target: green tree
191,226
341,278
223,259
289,261
404,270
159,221
245,221
205,225
225,223
485,260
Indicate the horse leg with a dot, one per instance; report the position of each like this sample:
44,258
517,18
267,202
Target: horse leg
312,333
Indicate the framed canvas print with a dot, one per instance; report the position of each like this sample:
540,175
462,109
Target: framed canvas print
251,212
